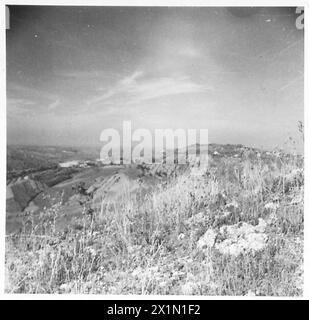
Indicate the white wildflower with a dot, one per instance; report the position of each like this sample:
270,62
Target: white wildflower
250,294
297,200
226,214
181,236
271,206
231,205
188,288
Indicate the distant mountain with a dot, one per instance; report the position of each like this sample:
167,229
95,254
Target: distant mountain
44,157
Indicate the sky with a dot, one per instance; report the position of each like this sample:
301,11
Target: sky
75,71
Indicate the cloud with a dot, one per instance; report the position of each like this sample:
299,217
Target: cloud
189,51
21,97
130,80
136,88
18,106
290,83
72,74
53,105
165,86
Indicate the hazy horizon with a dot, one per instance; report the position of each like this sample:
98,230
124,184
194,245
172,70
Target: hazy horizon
75,71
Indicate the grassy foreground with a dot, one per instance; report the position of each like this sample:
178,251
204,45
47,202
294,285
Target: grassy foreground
234,228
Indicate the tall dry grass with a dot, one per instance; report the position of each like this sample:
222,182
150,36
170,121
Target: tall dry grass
150,246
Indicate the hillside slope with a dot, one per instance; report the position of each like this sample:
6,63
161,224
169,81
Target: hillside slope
233,228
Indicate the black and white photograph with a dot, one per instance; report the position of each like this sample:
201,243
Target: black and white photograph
154,150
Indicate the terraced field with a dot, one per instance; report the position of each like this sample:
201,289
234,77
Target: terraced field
105,184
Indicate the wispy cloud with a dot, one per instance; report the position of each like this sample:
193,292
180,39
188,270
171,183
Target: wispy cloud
137,88
81,74
290,83
160,87
29,99
18,106
53,105
131,79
